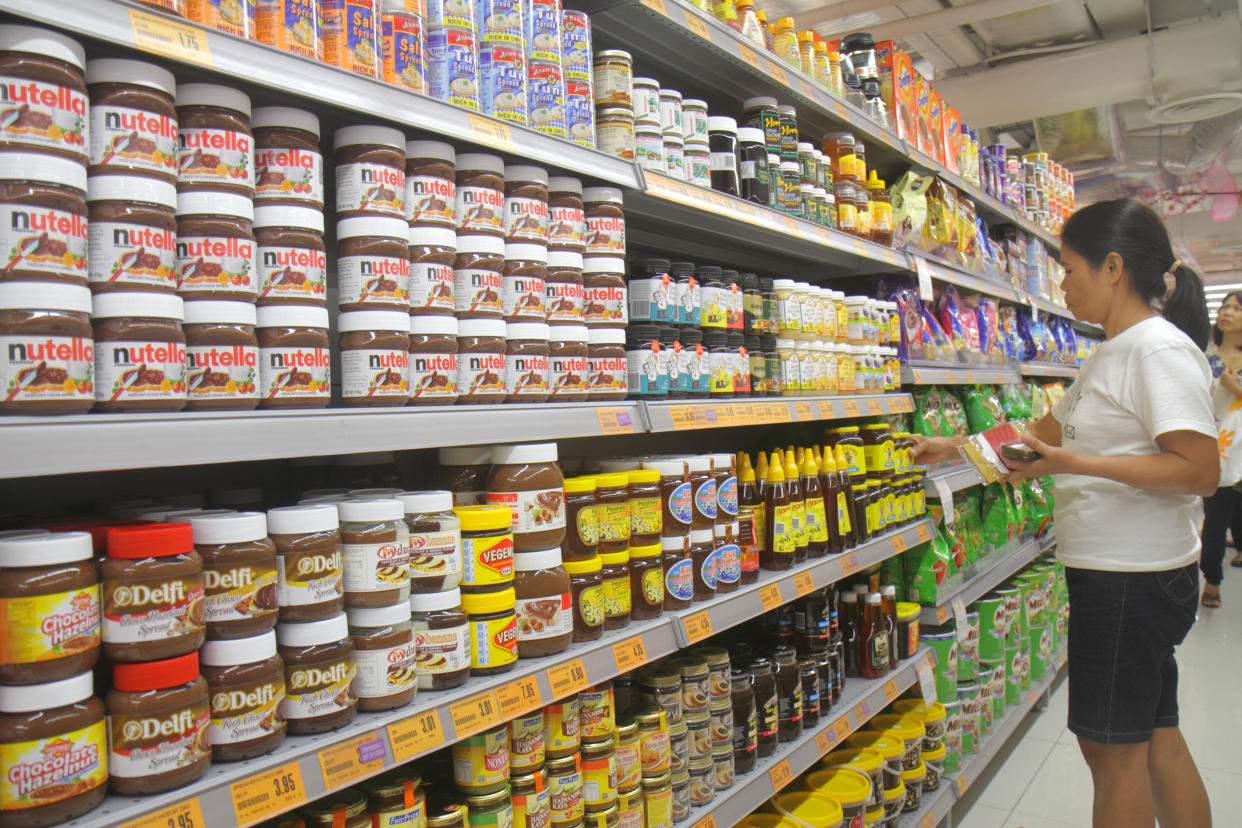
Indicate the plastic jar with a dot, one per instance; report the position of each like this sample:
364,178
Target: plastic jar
599,773
221,356
288,165
565,295
240,573
588,599
481,361
291,265
370,172
375,357
435,541
526,204
430,184
567,220
481,762
373,267
384,656
43,189
433,360
48,362
523,288
526,362
568,362
606,364
696,162
722,140
478,283
344,809
441,639
545,620
486,547
480,195
433,255
606,301
561,734
246,680
132,235
396,798
646,380
694,121
294,362
527,479
133,125
615,582
215,148
605,222
374,552
491,631
649,147
215,246
308,562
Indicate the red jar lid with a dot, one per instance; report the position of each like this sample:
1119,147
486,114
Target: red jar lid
157,540
155,675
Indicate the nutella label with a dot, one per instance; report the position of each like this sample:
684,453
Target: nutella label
453,64
214,156
605,306
480,374
238,592
440,651
535,510
42,240
130,370
375,373
567,229
222,372
246,713
132,254
430,200
522,298
526,375
47,368
286,373
371,567
43,627
526,220
565,301
431,286
568,375
605,236
374,280
43,771
435,554
288,174
480,210
385,672
606,374
133,138
370,188
219,264
152,745
477,290
545,617
42,115
304,578
433,376
319,690
151,610
291,273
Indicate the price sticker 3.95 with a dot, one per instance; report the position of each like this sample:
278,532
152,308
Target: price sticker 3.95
266,794
187,814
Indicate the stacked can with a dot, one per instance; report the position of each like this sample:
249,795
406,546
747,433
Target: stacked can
648,134
545,67
453,52
612,74
576,63
403,44
502,59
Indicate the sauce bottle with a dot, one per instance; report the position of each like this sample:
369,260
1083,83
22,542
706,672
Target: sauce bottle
779,541
888,603
830,487
816,511
849,632
873,652
750,517
793,486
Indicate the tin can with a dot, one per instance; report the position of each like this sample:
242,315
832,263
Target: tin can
580,112
452,66
543,30
576,45
546,98
502,81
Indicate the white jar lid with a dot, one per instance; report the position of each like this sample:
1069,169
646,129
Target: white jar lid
360,135
215,203
603,264
525,172
698,463
612,195
293,316
228,652
42,42
200,312
428,502
213,94
538,559
522,252
481,161
438,150
376,320
524,453
49,169
433,601
444,325
564,184
721,123
285,116
137,304
569,333
51,548
298,520
606,336
313,633
367,617
288,215
667,467
128,188
750,134
49,695
433,236
493,245
386,509
481,327
387,227
237,527
526,331
45,296
722,460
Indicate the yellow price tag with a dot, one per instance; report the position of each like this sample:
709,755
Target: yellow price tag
826,410
270,792
187,814
899,543
360,756
698,626
614,421
777,71
851,408
770,596
825,740
970,378
567,678
841,729
473,714
629,654
860,247
923,532
415,735
490,131
655,6
781,774
890,690
747,54
962,785
874,408
838,109
518,696
708,821
862,711
928,820
696,25
950,377
682,416
163,36
803,583
850,564
803,411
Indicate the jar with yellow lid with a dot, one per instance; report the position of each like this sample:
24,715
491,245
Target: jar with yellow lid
812,808
492,810
658,800
888,746
586,587
565,787
491,626
615,583
343,809
561,730
846,368
894,802
599,772
487,548
646,581
532,802
878,449
629,763
646,514
831,355
913,780
581,519
612,498
653,742
481,762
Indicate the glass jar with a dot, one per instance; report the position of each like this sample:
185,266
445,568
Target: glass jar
661,688
545,622
588,599
441,638
581,518
599,772
646,582
653,743
615,581
492,631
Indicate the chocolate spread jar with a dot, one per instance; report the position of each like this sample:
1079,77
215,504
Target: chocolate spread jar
430,184
564,295
526,204
370,172
375,357
222,356
133,122
545,615
158,721
319,674
309,577
433,253
566,219
215,246
433,360
47,351
605,222
132,234
295,367
384,655
374,552
463,471
568,365
373,264
239,573
441,639
606,302
522,292
481,355
49,115
528,480
292,267
478,281
246,680
215,149
526,362
607,366
435,540
288,165
43,216
480,194
139,352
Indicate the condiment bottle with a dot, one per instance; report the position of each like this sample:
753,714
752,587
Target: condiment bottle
767,704
750,521
793,485
850,622
873,642
888,604
789,690
816,513
780,540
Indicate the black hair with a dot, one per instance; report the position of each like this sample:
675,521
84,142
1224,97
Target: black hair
1133,231
1217,335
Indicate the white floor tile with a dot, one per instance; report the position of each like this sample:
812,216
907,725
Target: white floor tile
980,816
1018,819
1061,790
1008,776
1225,795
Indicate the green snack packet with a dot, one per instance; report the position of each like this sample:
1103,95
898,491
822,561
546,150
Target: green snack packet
1017,501
955,423
995,511
929,565
1038,509
979,414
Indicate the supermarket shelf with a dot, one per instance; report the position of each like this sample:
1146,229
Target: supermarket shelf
677,415
281,78
957,477
1045,369
958,374
980,577
860,700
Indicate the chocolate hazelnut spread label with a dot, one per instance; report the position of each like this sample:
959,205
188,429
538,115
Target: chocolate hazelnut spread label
222,372
319,690
242,714
487,560
46,368
220,264
433,377
480,374
435,554
385,672
522,298
565,301
526,375
288,173
43,771
132,254
133,138
535,510
442,651
374,280
430,199
43,240
245,591
151,611
567,228
375,373
127,370
526,219
304,578
480,210
544,617
606,374
605,236
43,115
214,156
150,745
605,304
372,188
568,375
431,286
291,272
287,373
477,290
43,627
375,566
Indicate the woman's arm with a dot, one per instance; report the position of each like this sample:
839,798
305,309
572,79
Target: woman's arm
938,449
1229,381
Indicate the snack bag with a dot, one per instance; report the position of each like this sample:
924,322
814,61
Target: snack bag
979,416
996,515
972,527
1039,400
1038,509
1017,501
951,323
1014,403
970,331
1027,350
909,198
909,309
1007,333
926,418
955,423
936,345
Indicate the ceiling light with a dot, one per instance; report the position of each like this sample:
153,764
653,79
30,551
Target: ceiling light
1195,108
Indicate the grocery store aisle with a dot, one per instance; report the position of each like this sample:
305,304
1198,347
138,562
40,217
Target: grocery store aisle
1040,780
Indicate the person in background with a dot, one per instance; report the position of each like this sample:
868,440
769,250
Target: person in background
1132,445
1221,510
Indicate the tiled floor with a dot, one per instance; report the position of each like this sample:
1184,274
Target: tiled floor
1039,779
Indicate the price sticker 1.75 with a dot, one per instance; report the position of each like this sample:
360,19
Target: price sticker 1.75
161,35
272,792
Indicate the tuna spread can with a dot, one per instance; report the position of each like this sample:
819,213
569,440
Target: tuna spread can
453,67
580,112
502,76
547,98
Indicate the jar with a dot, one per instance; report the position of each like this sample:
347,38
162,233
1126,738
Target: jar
373,268
532,802
604,288
374,552
612,495
432,256
492,631
481,762
561,735
374,357
670,361
489,810
215,148
528,480
653,743
658,801
486,547
545,621
565,787
385,656
642,354
674,154
344,809
588,599
605,222
564,290
628,761
526,204
294,362
526,362
526,750
480,195
246,681
661,689
132,241
705,564
50,348
524,278
606,364
481,361
430,185
697,164
646,587
723,142
568,367
463,471
581,519
370,172
755,178
766,704
479,286
396,798
433,360
287,161
220,335
240,573
613,75
435,540
215,254
596,706
567,220
647,102
694,121
308,562
291,263
599,772
441,638
615,581
745,733
133,125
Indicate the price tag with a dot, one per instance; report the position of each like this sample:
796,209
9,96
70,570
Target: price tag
790,223
889,256
950,377
803,411
415,735
851,408
945,492
747,54
629,654
890,690
874,408
971,380
490,131
473,714
862,711
655,6
682,416
860,247
187,814
942,615
926,293
615,421
899,543
962,785
959,618
518,696
777,71
841,728
923,532
698,626
927,683
850,565
567,678
708,821
838,109
770,596
826,410
781,774
928,820
360,756
696,25
803,583
806,88
271,792
825,740
163,36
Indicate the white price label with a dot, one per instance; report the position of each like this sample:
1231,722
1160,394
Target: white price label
946,500
927,683
925,279
959,617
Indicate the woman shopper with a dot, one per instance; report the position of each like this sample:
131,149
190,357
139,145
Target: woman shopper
1220,511
1133,447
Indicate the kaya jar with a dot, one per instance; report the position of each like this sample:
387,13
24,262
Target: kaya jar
463,471
567,220
441,639
526,204
48,65
384,656
435,540
561,734
375,357
606,364
374,555
527,480
491,631
132,234
308,561
430,184
239,573
246,681
133,125
545,619
481,361
292,267
433,253
481,762
605,222
222,356
215,149
288,165
596,714
433,360
605,302
159,726
43,194
373,264
478,282
486,548
565,791
532,801
370,172
215,246
295,369
567,358
480,194
319,674
396,799
564,289
522,292
47,354
526,362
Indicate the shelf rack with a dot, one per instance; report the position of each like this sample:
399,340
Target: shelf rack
956,477
957,374
1047,369
981,577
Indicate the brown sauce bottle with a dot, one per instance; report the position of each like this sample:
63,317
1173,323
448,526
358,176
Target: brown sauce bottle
793,485
779,542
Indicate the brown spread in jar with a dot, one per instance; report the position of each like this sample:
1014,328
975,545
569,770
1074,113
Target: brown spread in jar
372,263
384,655
563,289
291,264
375,357
246,680
604,292
441,638
374,553
568,363
607,366
288,165
433,360
588,598
215,149
605,222
433,253
525,270
370,172
463,471
319,674
481,361
430,184
222,356
308,562
480,194
567,222
294,361
139,352
526,204
239,573
47,351
527,479
43,217
478,283
435,540
45,109
526,362
215,246
581,519
545,618
133,122
133,233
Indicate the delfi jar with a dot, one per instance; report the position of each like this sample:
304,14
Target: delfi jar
239,573
291,262
384,656
441,638
246,681
132,233
375,357
478,280
568,362
433,360
430,184
47,356
215,148
222,355
433,253
47,190
526,362
140,355
215,246
481,361
308,561
133,125
295,368
370,172
374,552
288,164
372,263
319,674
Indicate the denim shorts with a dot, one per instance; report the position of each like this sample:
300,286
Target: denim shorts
1122,631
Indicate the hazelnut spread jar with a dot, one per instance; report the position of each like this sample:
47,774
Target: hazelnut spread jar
430,184
478,281
480,194
239,573
441,638
526,362
545,612
567,362
525,271
295,368
372,263
215,246
43,215
566,221
47,352
435,540
222,356
288,165
607,366
605,302
374,554
53,745
526,204
370,172
384,655
433,253
215,149
246,680
463,471
308,561
605,222
528,480
481,361
291,264
433,360
565,297
319,674
375,357
133,122
132,234
50,105
158,721
140,353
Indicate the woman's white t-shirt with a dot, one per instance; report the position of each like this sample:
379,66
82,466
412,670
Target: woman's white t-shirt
1148,380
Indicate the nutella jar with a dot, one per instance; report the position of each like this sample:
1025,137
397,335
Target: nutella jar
480,194
478,281
308,562
215,246
295,369
370,172
222,356
139,352
43,215
463,471
526,204
435,540
545,613
246,681
51,114
62,719
563,288
526,362
375,357
159,726
607,367
384,655
522,292
527,479
441,638
373,263
132,234
433,253
292,265
605,222
47,351
430,184
433,360
133,123
481,356
606,303
215,149
566,219
567,358
319,674
50,591
239,573
288,164
374,552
